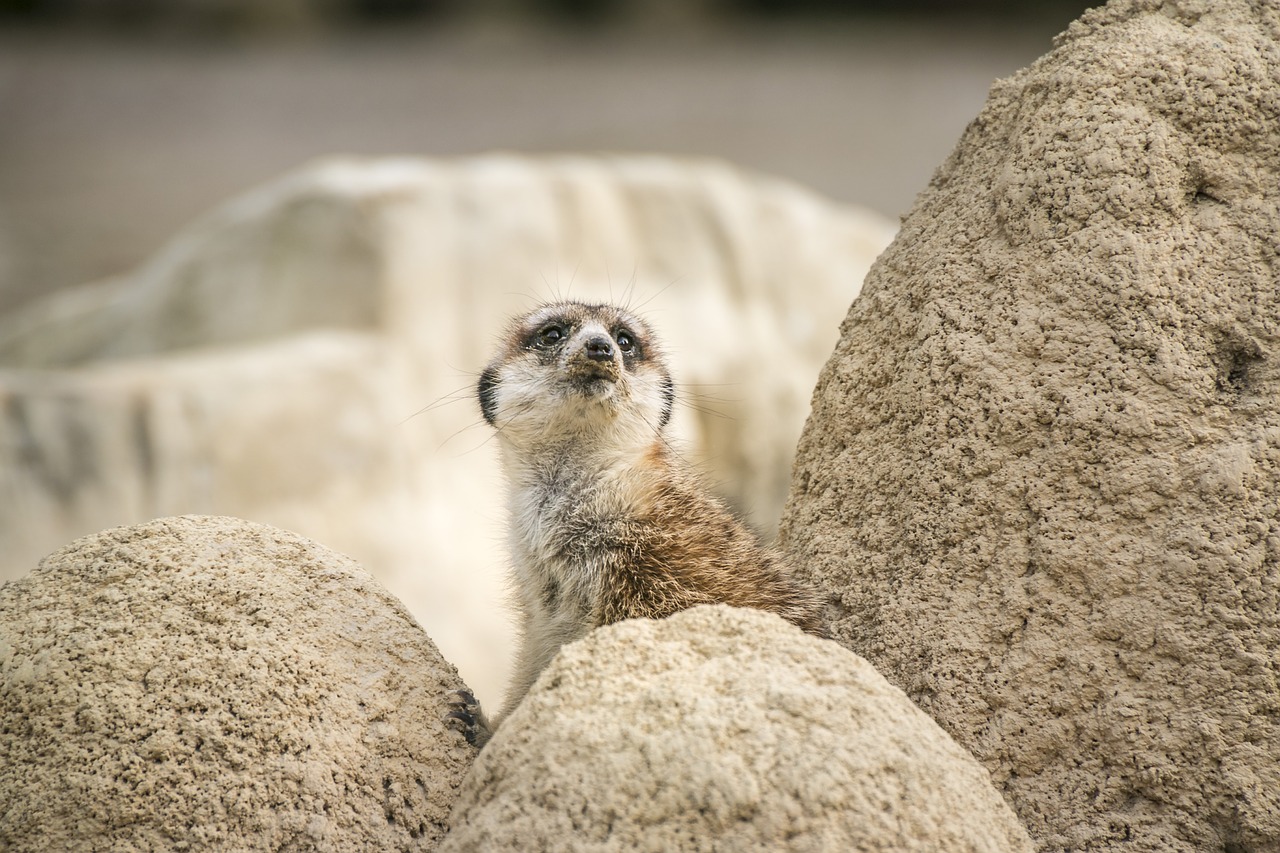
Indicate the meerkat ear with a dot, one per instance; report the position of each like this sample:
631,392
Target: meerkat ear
487,391
668,399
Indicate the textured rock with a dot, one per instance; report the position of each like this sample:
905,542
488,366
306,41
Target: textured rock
209,684
267,364
1041,480
723,729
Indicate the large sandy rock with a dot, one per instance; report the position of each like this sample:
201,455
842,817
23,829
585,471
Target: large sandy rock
210,684
1041,480
269,362
723,729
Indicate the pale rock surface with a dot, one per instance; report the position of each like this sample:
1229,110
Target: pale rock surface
1041,480
269,362
723,729
205,683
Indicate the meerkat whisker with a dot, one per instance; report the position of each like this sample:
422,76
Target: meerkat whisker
637,308
455,396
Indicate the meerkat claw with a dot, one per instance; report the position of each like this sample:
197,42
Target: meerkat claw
466,717
462,699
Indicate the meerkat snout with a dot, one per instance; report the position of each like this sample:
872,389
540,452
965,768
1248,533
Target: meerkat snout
591,355
599,348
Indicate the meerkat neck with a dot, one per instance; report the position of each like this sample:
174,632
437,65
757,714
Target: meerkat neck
584,461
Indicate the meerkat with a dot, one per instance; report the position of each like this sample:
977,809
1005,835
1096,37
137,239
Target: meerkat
606,522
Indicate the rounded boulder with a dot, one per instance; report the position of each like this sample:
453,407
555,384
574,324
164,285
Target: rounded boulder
1041,479
203,683
723,729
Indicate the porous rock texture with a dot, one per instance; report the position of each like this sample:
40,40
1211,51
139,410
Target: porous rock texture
205,683
269,362
1041,479
723,729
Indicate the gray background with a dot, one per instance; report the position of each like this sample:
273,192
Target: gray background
114,134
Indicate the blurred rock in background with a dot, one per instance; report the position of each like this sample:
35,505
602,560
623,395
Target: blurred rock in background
269,362
262,363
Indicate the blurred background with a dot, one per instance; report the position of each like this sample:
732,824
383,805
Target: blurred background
266,361
121,120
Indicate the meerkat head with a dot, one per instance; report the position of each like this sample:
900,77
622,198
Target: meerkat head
571,370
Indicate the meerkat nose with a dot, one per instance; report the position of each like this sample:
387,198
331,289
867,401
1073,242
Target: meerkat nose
599,348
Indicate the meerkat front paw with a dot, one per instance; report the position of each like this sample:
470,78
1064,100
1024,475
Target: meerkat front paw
465,716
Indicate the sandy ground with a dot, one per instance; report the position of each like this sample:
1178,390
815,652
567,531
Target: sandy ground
109,145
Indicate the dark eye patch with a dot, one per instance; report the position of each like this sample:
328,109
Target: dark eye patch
628,344
547,335
668,399
487,391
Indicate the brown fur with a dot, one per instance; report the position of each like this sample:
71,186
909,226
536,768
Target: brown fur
686,549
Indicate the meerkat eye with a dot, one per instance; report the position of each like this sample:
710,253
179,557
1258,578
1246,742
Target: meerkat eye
626,343
549,336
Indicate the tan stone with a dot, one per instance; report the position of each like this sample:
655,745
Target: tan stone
269,362
205,683
723,729
1041,480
